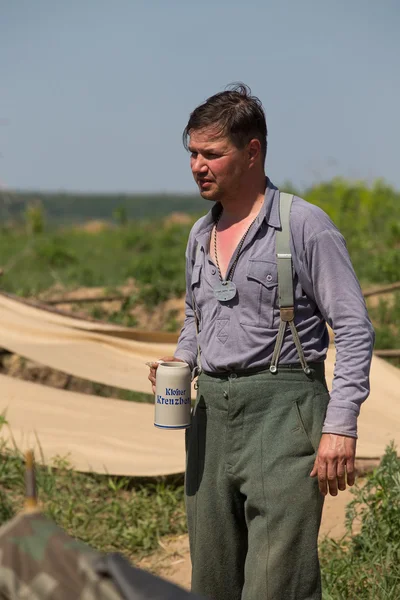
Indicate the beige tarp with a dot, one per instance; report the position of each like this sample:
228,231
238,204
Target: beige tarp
103,434
11,304
99,434
76,346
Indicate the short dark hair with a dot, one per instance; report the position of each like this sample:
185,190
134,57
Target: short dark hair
235,113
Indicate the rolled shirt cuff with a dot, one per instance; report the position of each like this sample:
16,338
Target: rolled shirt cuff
341,421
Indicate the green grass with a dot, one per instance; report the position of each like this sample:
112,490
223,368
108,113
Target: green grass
121,394
112,514
151,254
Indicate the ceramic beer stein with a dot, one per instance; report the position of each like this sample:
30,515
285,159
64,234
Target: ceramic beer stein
173,392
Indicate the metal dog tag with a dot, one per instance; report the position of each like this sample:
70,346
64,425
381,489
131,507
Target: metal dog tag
225,290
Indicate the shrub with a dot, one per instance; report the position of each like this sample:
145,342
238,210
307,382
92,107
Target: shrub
366,565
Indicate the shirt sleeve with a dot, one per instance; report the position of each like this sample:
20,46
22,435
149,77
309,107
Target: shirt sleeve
187,343
328,270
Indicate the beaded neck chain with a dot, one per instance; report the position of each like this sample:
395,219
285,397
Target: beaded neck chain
225,289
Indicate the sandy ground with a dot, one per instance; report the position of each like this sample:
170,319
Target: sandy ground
172,560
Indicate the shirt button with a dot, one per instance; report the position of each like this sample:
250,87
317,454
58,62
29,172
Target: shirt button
213,271
269,277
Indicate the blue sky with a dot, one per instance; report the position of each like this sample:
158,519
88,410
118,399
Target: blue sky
94,95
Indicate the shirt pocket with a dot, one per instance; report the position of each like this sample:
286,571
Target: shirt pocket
258,298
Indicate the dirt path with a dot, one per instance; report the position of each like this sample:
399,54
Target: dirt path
172,560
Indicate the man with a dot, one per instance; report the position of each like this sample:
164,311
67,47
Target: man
258,467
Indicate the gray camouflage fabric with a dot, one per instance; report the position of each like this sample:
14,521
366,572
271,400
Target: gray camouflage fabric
39,561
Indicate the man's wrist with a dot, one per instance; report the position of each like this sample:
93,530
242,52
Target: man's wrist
335,432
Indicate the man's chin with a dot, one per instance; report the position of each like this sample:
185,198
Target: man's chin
209,195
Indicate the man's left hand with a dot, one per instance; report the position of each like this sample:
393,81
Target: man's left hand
334,464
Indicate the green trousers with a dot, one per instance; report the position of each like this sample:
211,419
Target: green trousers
253,510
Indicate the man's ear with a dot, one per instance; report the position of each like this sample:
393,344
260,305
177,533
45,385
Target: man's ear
254,151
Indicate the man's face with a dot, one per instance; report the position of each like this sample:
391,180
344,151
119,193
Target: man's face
217,164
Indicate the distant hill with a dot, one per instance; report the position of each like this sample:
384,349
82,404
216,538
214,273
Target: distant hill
69,208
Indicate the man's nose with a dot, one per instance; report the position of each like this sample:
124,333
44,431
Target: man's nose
199,165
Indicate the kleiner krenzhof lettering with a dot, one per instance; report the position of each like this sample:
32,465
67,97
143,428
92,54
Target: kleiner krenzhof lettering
172,392
180,397
172,400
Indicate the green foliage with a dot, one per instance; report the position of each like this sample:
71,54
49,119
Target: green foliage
120,215
387,314
6,508
366,565
171,321
369,219
34,217
122,316
70,208
152,253
53,252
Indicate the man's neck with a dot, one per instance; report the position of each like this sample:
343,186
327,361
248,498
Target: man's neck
244,204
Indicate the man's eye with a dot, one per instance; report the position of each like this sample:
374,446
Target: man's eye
193,155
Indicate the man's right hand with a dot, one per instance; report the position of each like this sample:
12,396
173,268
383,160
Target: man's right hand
154,366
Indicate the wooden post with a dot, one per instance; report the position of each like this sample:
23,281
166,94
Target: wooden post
31,504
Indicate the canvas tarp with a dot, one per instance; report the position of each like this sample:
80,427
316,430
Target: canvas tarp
115,436
106,435
94,433
37,310
73,346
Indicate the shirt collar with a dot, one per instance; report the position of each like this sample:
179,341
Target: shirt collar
270,208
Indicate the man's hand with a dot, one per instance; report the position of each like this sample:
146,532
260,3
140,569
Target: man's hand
335,459
154,366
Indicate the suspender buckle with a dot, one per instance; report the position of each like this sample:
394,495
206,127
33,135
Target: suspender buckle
287,313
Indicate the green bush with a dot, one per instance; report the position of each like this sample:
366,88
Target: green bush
54,253
369,218
366,565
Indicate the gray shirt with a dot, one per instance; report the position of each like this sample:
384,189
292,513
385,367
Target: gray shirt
241,333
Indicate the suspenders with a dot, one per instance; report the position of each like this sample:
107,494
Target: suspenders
285,291
285,286
197,369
